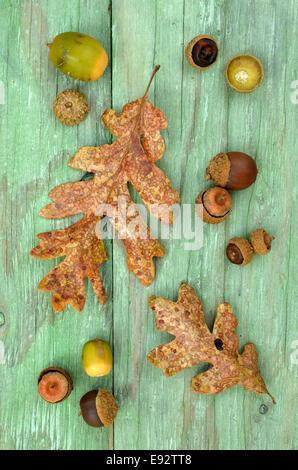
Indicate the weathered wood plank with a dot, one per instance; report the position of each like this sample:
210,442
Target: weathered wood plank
34,155
260,124
144,392
204,117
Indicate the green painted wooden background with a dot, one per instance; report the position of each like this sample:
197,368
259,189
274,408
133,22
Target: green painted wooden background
204,117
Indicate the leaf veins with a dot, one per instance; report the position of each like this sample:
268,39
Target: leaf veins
131,158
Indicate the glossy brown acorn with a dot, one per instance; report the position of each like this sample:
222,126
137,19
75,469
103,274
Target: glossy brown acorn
89,411
98,408
232,170
217,204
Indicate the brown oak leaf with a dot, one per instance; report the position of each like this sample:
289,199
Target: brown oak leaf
131,158
194,343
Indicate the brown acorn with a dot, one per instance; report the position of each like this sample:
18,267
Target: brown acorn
202,52
54,385
71,107
217,205
261,241
239,251
98,408
232,170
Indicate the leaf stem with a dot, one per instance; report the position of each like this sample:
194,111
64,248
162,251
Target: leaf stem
156,68
272,398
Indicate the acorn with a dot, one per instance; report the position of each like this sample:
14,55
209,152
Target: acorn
98,408
97,358
244,73
71,107
232,170
78,56
217,205
54,385
241,251
202,52
261,241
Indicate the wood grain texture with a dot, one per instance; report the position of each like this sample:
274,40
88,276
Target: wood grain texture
204,118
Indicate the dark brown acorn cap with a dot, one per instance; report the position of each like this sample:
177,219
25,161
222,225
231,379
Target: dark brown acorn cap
208,217
71,107
59,377
219,169
239,251
191,45
261,241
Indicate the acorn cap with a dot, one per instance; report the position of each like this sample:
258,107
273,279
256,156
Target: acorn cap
190,46
207,216
261,241
71,107
244,73
106,407
239,251
66,381
218,169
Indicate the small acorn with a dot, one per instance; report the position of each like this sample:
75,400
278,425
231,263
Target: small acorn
217,205
261,241
98,408
241,251
202,52
71,107
54,385
232,170
97,358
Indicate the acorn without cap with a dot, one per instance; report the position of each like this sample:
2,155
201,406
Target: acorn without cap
217,205
232,170
241,251
98,408
97,358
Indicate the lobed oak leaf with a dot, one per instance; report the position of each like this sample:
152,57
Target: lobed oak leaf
194,343
84,253
131,159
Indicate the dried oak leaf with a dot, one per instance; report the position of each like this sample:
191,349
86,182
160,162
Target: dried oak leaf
194,343
131,159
